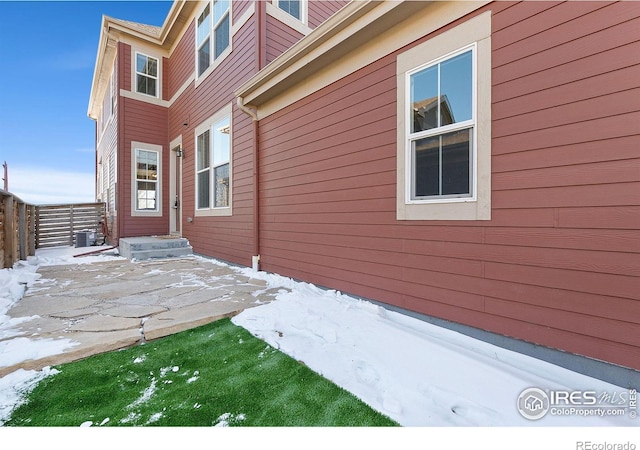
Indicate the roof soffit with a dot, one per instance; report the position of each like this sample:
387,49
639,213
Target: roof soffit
356,25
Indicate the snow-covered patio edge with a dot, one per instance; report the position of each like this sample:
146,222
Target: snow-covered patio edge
13,284
417,373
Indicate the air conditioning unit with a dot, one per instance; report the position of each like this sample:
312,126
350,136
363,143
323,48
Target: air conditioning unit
86,238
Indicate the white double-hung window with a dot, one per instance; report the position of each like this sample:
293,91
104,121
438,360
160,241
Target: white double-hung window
213,165
441,123
146,183
146,75
292,7
444,125
213,35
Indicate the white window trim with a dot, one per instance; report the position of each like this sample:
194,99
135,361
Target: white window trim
132,93
474,32
212,211
439,131
134,189
215,62
300,25
135,74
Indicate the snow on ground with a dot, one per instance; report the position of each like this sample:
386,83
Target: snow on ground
416,373
13,284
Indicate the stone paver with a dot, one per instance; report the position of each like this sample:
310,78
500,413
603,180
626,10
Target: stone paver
116,304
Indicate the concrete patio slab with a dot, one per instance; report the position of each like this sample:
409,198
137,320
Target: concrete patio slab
138,311
102,322
49,306
110,305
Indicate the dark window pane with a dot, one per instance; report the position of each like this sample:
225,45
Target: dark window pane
456,89
427,167
145,186
442,165
221,186
203,57
424,100
142,84
222,36
203,151
151,86
456,162
203,189
152,67
146,85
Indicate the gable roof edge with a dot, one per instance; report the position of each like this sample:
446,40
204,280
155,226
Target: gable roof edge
113,30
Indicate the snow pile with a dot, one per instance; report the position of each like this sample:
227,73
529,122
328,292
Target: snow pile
416,373
58,256
13,283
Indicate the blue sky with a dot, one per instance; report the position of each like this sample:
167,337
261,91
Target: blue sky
47,55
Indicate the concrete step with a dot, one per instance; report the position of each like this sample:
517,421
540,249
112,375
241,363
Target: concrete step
154,247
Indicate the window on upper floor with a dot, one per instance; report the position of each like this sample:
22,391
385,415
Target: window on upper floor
146,75
113,86
293,7
213,165
213,34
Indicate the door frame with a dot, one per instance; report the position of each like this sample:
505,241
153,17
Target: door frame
175,186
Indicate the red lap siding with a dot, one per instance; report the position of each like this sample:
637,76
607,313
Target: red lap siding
227,238
145,123
558,263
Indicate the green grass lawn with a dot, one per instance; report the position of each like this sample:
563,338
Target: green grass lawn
218,374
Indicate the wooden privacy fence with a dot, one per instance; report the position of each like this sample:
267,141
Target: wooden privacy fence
25,227
17,229
57,225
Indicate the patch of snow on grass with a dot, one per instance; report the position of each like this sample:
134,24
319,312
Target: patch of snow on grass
227,419
146,395
131,417
16,386
155,417
195,377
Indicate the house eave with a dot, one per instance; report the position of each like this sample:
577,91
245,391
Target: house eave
357,22
113,30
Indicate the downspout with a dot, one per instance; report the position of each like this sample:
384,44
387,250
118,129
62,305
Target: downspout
260,53
255,259
120,156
